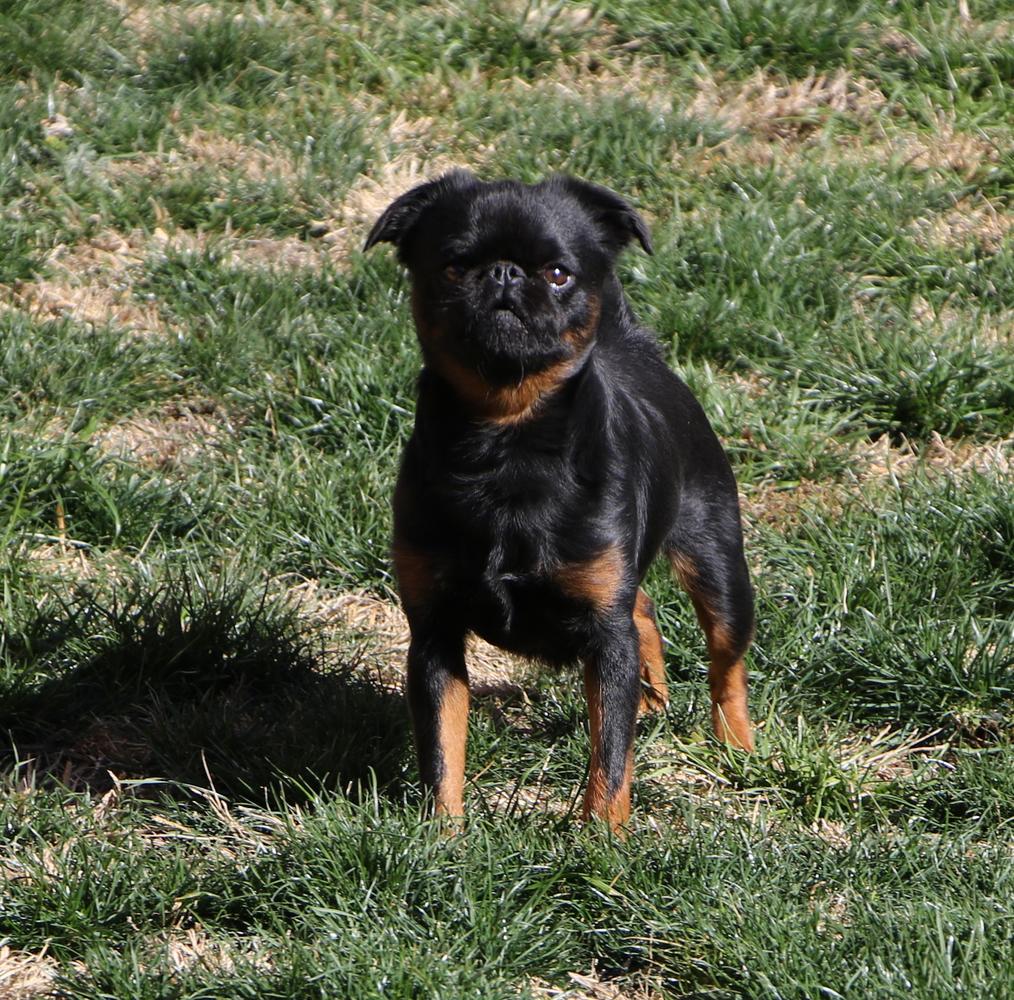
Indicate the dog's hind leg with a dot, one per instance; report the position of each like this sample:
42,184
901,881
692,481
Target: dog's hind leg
654,690
708,561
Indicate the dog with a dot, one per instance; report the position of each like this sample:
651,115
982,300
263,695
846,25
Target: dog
554,455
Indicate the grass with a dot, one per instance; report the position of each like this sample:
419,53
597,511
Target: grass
208,785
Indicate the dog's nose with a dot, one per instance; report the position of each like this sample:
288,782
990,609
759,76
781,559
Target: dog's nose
505,272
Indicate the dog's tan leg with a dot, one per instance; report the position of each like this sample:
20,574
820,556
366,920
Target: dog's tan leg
437,684
727,679
452,733
608,794
727,646
730,715
654,690
437,687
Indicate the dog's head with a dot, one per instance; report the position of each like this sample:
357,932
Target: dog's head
508,278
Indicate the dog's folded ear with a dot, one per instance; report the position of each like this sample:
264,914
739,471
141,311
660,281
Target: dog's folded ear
618,220
403,213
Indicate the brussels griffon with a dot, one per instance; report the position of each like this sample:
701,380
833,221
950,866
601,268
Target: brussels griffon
554,456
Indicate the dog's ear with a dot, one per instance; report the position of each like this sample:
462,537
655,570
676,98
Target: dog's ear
617,219
403,213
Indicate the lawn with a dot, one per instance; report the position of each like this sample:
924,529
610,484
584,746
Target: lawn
209,789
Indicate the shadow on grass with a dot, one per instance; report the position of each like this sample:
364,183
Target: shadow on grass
195,688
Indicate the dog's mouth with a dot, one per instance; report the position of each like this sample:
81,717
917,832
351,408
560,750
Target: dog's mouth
505,321
504,342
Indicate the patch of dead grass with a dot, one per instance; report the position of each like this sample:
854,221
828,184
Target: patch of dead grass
553,18
772,107
255,161
983,223
880,459
287,253
150,21
206,149
787,143
181,435
780,506
866,762
381,624
591,80
589,986
62,558
192,949
942,148
372,193
24,975
91,283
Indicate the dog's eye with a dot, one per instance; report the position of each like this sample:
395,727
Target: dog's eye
557,275
454,273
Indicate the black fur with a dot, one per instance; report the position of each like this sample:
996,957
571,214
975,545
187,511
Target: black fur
505,490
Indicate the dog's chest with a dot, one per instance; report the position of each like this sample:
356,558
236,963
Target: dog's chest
514,516
516,534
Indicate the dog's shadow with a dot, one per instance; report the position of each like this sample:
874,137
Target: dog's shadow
192,689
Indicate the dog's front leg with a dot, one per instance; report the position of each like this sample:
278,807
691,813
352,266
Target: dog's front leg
613,687
438,700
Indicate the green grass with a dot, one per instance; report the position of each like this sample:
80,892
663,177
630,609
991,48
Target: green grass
208,787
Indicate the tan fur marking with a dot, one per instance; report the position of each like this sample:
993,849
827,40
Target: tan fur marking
452,732
685,570
727,678
598,803
597,581
503,405
654,690
515,404
414,571
510,404
730,715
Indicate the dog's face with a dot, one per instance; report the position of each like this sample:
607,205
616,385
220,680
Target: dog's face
508,278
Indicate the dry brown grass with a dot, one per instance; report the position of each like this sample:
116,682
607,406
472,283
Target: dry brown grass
149,20
773,107
589,987
372,193
778,506
944,148
382,626
92,283
180,436
24,975
865,761
64,559
881,459
185,951
778,122
983,223
592,80
208,150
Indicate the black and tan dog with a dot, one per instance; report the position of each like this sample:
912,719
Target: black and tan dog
554,456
